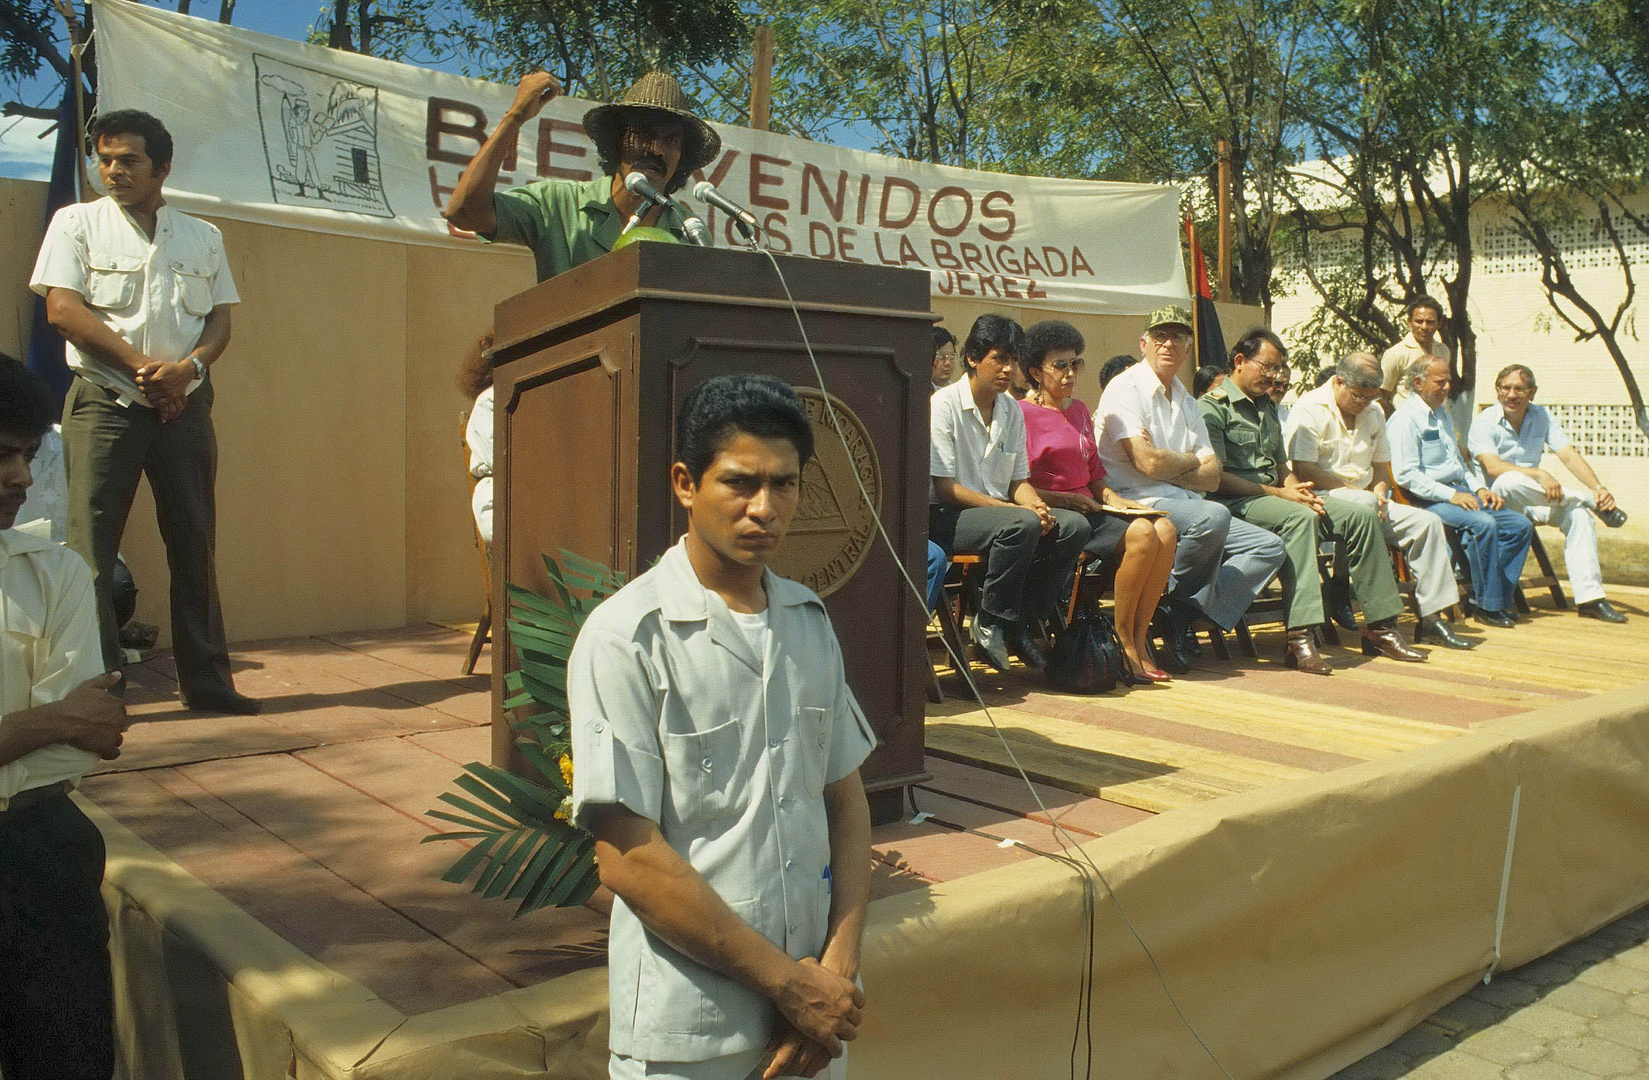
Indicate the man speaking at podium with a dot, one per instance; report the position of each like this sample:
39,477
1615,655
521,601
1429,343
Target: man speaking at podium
717,750
567,222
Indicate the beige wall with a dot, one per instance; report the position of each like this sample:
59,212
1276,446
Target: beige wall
22,220
342,498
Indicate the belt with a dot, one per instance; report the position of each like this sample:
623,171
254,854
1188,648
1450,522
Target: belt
32,797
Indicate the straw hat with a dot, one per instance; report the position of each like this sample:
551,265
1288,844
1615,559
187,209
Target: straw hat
655,96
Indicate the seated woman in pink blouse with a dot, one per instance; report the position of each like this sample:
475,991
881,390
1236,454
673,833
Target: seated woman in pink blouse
1065,471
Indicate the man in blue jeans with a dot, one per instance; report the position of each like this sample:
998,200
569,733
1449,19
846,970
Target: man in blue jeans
1428,464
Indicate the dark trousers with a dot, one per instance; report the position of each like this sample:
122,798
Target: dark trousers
56,995
106,448
1024,569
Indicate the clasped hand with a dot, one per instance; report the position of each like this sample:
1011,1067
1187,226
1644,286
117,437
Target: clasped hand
1303,492
819,1011
166,385
92,718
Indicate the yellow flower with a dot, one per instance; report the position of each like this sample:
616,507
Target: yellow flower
567,769
565,811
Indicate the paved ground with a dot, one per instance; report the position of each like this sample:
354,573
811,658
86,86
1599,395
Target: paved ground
1580,1013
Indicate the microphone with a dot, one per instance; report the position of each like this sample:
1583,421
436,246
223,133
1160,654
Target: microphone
637,184
706,192
695,228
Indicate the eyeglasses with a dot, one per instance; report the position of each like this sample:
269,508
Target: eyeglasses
1164,336
1073,366
1515,388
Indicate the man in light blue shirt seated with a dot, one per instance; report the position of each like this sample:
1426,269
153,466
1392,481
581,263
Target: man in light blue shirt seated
1428,465
1508,440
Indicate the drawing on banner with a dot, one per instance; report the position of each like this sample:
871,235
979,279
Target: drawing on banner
320,138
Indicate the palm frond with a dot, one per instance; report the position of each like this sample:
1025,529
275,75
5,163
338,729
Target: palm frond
521,849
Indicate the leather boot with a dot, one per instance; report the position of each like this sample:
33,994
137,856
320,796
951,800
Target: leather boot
1302,653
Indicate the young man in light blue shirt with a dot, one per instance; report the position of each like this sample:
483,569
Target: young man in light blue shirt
1508,439
1428,464
717,750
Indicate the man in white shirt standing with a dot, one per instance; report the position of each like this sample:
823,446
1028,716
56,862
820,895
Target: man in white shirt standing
1508,440
717,750
1155,448
983,500
1425,318
1336,440
142,294
57,717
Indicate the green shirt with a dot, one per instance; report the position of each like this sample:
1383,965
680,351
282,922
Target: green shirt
564,222
1246,434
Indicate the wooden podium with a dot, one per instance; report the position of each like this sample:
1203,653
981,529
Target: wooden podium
590,367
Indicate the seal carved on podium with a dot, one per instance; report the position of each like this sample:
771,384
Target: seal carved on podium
834,528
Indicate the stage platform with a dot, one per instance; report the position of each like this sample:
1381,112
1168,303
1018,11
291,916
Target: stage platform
276,914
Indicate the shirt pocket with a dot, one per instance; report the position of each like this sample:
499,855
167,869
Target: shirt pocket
194,290
702,767
813,730
112,281
1434,449
997,470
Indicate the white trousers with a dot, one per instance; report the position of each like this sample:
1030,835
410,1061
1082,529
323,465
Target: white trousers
1419,535
745,1066
1573,515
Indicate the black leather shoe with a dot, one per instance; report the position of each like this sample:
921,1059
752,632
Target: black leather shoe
990,643
1495,618
1601,610
1339,607
1444,633
1170,656
223,701
1178,628
1613,518
1023,643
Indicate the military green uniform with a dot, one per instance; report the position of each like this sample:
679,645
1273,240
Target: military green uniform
1249,441
565,222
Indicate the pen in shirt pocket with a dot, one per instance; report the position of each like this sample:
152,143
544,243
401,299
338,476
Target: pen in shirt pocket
828,884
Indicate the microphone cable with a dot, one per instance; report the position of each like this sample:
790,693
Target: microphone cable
1067,843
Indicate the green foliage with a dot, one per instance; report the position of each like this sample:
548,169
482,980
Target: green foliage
28,32
524,849
597,48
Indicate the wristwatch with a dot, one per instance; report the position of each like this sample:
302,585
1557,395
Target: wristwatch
200,368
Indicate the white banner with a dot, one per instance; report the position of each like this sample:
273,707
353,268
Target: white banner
284,133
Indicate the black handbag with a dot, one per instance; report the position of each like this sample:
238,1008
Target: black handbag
1088,657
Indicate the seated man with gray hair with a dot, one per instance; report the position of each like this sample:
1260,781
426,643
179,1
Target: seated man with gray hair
1337,441
1508,440
1427,462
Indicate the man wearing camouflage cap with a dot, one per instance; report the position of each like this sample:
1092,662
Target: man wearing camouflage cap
1156,450
567,222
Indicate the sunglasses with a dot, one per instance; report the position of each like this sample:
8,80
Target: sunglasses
1062,366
